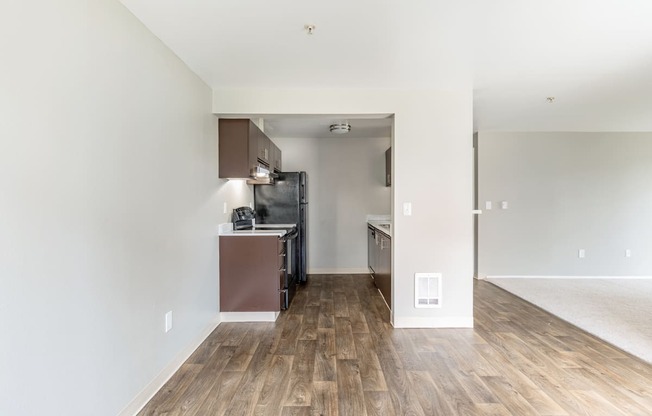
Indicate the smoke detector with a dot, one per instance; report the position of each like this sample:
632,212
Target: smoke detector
310,29
340,128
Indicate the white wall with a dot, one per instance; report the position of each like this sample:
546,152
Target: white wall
566,191
108,205
346,180
432,168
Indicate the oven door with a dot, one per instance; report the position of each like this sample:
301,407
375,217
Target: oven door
290,273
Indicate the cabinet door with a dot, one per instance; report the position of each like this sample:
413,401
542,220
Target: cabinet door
236,154
249,283
275,163
242,145
263,148
383,278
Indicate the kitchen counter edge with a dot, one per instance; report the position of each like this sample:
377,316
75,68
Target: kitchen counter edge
253,233
226,230
377,227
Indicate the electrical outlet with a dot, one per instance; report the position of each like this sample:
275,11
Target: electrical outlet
581,253
628,253
504,205
168,321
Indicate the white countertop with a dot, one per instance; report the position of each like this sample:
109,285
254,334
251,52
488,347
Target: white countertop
377,225
226,229
271,226
257,233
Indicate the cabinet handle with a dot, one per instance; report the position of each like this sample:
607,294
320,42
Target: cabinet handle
282,291
281,270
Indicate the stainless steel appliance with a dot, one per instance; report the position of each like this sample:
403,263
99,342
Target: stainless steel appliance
286,202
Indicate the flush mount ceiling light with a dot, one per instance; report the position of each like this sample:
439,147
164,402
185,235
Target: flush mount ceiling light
550,100
340,128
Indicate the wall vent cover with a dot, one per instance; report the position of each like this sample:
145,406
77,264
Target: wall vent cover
427,290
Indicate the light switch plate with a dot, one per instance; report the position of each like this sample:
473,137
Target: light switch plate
581,253
407,208
168,321
488,205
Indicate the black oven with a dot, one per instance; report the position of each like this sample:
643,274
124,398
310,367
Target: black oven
289,268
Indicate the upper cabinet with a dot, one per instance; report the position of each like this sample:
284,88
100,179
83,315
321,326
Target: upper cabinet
264,148
388,167
275,162
242,146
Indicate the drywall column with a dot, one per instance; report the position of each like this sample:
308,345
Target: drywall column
432,147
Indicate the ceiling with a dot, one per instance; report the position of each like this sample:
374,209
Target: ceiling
593,56
318,127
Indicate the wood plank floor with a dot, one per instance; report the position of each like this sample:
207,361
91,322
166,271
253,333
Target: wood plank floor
335,353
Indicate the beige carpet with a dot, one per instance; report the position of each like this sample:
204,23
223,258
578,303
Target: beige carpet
618,311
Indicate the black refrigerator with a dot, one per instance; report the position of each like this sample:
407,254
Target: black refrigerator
286,202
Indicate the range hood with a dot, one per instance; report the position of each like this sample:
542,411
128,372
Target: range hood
260,175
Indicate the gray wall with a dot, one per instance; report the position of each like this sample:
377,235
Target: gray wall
346,183
109,200
566,191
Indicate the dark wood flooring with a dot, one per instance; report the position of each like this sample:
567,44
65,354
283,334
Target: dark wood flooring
335,353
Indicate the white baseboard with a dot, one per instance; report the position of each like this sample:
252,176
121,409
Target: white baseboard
249,316
351,270
567,277
155,385
433,322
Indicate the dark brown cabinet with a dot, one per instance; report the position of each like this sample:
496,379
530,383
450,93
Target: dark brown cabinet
379,252
275,162
242,146
388,167
264,149
252,273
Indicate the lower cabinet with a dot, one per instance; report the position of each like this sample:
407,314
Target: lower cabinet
251,274
379,252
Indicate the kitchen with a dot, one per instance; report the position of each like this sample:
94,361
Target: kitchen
347,185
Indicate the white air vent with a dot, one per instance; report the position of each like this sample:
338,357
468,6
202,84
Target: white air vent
427,290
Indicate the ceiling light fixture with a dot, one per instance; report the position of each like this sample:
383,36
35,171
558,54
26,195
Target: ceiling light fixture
550,100
310,29
340,128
